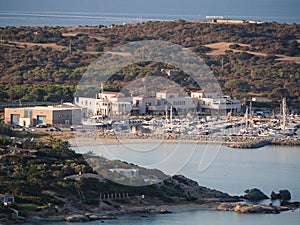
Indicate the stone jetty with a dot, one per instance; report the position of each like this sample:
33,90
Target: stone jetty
230,141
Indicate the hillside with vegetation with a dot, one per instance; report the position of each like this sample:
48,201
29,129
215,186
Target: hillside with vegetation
46,63
48,179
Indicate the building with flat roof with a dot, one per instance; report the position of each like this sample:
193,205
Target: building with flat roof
106,103
44,115
210,102
116,104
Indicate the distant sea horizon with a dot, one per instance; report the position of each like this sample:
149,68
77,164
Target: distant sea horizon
74,19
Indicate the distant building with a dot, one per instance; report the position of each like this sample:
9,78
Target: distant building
106,103
167,98
89,103
7,199
44,115
116,104
230,21
209,102
142,103
203,94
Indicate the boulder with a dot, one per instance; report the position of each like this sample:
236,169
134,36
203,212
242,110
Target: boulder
290,205
226,206
243,208
77,218
158,211
285,195
263,209
274,196
255,195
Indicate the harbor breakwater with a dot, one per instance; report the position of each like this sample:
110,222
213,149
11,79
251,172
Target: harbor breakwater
230,141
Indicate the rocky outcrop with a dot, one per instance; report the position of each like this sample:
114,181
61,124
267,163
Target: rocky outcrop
256,208
87,217
255,195
284,195
274,196
190,188
157,211
77,218
292,205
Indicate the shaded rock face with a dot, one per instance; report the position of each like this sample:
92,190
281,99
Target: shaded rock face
282,195
292,205
274,196
191,188
255,195
285,195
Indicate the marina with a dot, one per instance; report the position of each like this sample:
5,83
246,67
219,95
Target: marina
246,131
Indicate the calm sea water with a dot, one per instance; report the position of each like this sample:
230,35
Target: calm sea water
29,18
95,12
229,170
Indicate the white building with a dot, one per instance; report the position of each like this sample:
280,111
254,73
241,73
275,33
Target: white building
88,103
116,104
113,104
203,94
106,104
142,103
210,102
178,102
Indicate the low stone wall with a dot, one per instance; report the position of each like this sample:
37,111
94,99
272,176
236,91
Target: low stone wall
230,141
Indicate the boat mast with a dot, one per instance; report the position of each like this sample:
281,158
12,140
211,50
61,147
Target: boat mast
283,113
171,115
166,114
246,117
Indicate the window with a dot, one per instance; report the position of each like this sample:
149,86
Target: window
27,113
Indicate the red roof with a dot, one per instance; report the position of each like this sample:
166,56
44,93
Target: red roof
199,91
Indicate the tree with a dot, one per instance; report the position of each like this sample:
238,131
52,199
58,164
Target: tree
232,84
279,93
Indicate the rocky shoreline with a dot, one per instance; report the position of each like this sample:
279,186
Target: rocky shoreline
190,196
213,200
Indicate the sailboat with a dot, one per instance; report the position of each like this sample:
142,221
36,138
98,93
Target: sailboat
287,129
